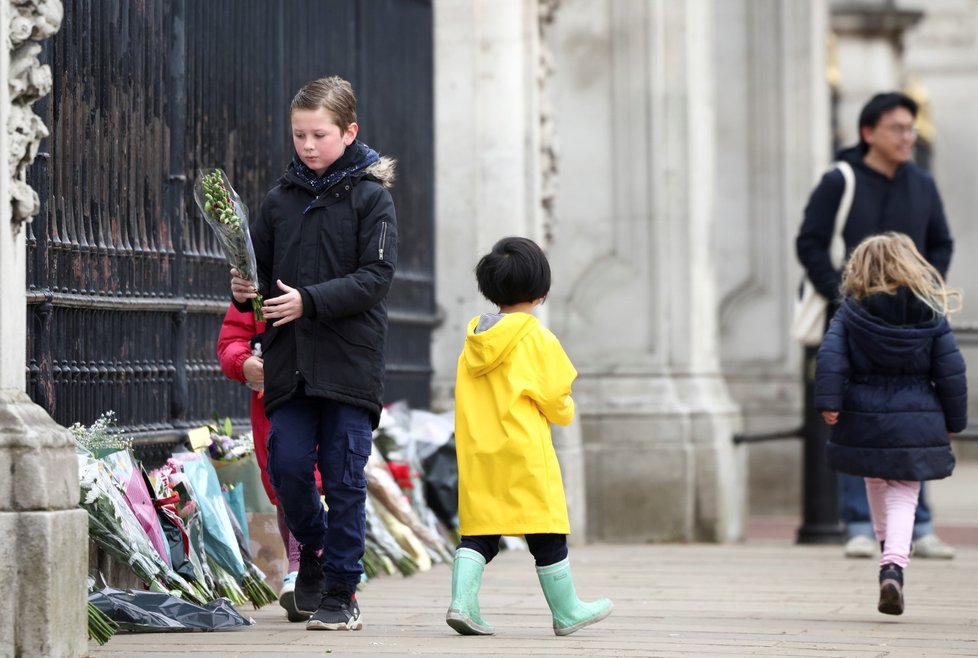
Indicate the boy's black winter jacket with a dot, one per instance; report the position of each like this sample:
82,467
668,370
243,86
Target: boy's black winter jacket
340,249
908,203
893,370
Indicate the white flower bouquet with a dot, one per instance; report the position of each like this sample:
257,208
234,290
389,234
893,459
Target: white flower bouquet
114,527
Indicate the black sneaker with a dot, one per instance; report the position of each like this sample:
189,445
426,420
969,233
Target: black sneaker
310,583
338,611
891,590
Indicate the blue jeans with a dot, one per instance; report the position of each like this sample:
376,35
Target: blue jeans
854,509
336,437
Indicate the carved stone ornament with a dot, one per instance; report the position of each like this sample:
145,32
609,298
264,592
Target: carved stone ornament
32,21
549,147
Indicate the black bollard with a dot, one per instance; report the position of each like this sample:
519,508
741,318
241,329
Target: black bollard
820,494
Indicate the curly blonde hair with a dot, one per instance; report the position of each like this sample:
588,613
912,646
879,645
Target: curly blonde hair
888,261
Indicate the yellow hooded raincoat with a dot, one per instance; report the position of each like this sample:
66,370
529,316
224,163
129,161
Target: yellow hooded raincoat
513,380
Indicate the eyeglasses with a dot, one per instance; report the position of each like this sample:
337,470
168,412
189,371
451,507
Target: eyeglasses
900,131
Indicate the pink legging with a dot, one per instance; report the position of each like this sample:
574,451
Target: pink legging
892,504
291,545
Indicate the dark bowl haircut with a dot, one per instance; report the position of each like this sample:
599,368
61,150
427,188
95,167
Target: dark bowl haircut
515,271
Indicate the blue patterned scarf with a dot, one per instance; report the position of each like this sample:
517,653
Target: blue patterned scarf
358,156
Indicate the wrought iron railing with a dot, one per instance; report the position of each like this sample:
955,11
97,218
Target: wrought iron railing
126,285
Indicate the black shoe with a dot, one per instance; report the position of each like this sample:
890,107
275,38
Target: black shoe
338,611
891,590
310,583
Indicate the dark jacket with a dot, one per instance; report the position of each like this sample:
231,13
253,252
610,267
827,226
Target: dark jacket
892,369
908,203
340,249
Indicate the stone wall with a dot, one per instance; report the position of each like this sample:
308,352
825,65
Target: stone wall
634,297
43,556
773,142
662,152
941,61
496,167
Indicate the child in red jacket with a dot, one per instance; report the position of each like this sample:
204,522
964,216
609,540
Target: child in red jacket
240,363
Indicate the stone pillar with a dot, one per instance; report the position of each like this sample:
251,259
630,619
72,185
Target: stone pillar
772,145
869,52
941,53
636,300
494,174
44,555
486,136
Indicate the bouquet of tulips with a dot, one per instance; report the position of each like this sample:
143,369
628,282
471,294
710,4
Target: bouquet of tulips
227,215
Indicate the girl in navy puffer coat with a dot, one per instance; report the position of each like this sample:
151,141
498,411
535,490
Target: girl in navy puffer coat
891,379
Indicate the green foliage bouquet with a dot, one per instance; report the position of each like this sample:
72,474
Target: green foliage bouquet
227,215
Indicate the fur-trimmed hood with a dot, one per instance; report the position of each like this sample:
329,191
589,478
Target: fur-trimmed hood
383,171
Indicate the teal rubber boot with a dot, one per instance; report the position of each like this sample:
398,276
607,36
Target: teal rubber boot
569,612
463,614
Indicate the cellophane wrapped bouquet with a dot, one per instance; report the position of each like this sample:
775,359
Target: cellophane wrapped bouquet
227,215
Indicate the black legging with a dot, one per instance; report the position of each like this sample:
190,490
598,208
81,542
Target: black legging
546,549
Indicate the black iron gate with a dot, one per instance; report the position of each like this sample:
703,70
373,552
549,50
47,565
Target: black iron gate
126,285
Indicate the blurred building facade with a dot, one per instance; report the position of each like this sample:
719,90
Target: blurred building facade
663,154
940,66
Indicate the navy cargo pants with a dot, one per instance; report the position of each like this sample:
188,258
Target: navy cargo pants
336,436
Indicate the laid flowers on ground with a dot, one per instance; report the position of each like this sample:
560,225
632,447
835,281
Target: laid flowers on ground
204,489
225,446
100,627
384,552
101,437
381,485
129,475
115,528
182,526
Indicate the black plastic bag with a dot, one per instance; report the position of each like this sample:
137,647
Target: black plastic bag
154,612
440,475
173,533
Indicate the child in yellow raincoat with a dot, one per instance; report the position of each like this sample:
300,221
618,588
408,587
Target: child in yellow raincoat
513,380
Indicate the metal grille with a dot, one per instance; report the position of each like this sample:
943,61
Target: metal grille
126,285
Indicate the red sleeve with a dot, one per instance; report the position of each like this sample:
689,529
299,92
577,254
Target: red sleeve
233,343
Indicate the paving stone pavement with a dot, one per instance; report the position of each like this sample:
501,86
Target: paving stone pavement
768,598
